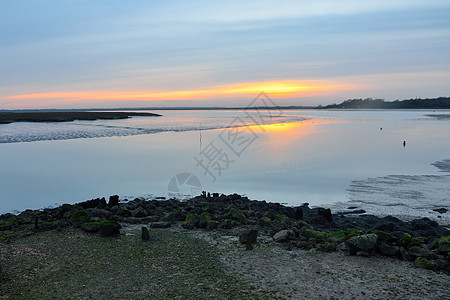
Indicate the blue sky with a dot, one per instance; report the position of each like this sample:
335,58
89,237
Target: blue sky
139,53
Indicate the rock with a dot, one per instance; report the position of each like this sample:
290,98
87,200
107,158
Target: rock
248,236
365,242
404,254
337,236
353,212
203,219
326,247
91,227
299,213
191,221
145,235
109,228
440,210
423,224
362,253
160,224
212,224
326,213
342,247
388,250
99,203
138,212
417,251
283,236
113,200
444,244
424,263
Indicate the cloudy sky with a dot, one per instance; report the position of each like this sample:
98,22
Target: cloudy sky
111,53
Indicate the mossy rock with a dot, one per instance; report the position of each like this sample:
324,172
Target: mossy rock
11,223
424,263
304,245
91,227
191,221
385,236
308,232
265,221
203,219
444,244
326,247
79,217
321,237
109,228
227,224
236,214
279,220
212,224
417,241
405,239
172,216
337,236
354,232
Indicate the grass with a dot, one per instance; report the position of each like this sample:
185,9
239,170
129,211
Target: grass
71,264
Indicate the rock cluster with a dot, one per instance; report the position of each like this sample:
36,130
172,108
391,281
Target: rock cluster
421,240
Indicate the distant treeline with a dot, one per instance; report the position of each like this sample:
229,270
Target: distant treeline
418,103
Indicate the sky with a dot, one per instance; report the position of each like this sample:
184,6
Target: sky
111,53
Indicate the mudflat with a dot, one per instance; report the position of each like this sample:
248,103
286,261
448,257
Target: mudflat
67,116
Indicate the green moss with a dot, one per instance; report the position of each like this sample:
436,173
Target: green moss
321,236
235,213
444,244
171,217
337,236
109,228
80,216
354,232
416,241
405,239
1,278
91,227
279,220
422,262
266,221
308,232
326,247
12,222
385,236
191,221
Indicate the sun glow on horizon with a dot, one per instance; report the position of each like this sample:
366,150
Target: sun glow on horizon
281,88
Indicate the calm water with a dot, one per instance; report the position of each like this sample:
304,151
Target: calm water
301,156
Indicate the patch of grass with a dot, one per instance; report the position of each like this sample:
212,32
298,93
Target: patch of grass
72,264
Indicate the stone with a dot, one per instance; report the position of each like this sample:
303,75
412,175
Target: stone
91,227
109,228
248,236
440,210
444,244
145,235
160,224
113,200
362,253
404,254
365,242
190,222
138,212
419,251
424,263
283,236
326,213
388,250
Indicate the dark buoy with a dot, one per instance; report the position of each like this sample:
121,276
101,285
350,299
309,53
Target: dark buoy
404,143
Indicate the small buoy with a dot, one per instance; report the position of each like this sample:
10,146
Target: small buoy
404,143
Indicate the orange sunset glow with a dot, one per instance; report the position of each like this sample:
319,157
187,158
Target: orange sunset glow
282,88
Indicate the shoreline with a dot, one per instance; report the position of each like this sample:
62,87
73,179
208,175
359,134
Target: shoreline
255,249
67,116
